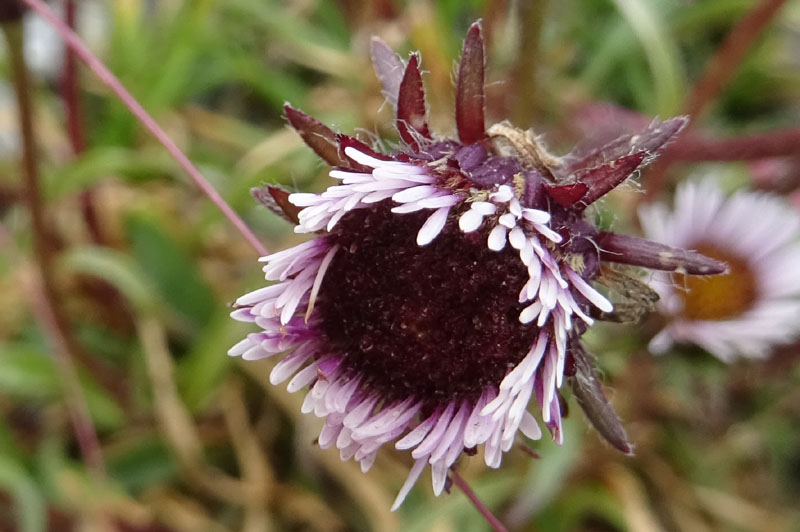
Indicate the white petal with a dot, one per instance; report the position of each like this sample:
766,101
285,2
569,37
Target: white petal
329,433
432,226
408,172
536,216
526,254
431,441
508,220
530,313
497,238
590,293
439,201
378,195
407,207
529,427
259,295
385,184
478,427
390,418
439,476
484,207
240,348
413,438
517,238
303,378
503,194
288,365
412,478
350,177
549,233
357,415
470,221
367,462
454,432
414,193
368,160
323,267
304,199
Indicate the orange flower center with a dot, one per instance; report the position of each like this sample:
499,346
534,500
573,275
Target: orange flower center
718,297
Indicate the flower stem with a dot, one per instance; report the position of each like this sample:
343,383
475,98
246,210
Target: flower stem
42,288
729,56
462,484
718,71
75,131
79,48
69,88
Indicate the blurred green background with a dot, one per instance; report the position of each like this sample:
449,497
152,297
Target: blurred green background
144,267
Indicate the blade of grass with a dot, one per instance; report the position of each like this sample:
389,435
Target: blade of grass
111,81
661,53
30,505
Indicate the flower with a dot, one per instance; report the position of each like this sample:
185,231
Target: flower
756,304
447,283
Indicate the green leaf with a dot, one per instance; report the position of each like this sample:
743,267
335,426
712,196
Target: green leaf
100,162
116,268
171,270
9,448
579,503
142,463
544,481
662,54
305,44
29,374
29,504
26,373
200,372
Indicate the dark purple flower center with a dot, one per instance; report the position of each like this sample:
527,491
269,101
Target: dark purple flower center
437,323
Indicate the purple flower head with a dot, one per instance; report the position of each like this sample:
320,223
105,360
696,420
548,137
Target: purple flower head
447,284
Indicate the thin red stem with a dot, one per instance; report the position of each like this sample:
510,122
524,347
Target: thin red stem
44,293
75,130
462,484
69,88
82,425
718,71
729,55
111,81
61,346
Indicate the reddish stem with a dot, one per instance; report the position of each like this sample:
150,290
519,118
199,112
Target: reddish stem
69,88
529,451
462,484
44,294
79,48
60,341
75,131
718,71
729,55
